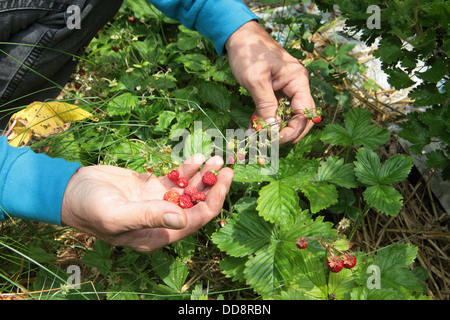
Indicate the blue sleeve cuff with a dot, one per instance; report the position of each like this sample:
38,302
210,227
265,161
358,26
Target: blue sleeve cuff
217,20
32,185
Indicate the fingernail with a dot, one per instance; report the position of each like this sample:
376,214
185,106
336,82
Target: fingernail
173,221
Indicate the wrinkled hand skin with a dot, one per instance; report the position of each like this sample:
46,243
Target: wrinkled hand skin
269,72
124,208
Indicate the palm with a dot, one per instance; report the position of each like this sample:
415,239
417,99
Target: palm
125,208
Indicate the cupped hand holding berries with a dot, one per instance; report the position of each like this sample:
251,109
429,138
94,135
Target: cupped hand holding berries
269,72
125,208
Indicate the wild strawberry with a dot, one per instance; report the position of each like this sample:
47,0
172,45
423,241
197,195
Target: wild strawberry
172,196
174,175
182,182
254,120
349,260
115,49
261,161
82,72
209,178
301,242
240,156
259,127
198,196
222,223
132,19
185,202
78,86
190,191
317,119
335,263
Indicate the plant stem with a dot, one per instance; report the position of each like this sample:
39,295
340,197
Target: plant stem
365,211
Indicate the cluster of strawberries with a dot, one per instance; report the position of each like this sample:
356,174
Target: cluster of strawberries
335,262
191,195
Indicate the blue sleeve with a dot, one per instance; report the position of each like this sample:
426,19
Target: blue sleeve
217,20
32,185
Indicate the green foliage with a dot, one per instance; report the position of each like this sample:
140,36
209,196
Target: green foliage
414,50
150,83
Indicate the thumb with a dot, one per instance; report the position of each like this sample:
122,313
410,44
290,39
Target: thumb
152,214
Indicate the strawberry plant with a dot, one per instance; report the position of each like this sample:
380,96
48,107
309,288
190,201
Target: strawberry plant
414,48
282,234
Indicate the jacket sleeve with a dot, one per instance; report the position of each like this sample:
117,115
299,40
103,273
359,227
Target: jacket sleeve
32,185
217,20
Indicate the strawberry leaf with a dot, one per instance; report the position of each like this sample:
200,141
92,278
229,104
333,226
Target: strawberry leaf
244,234
376,176
334,170
171,270
393,263
395,169
384,198
278,203
357,131
320,194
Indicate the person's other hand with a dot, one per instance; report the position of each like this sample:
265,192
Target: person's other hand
125,208
269,72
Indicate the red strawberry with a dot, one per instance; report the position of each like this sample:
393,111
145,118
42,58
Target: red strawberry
185,202
259,127
209,178
182,182
335,263
349,260
302,243
115,49
173,175
172,196
317,119
190,191
198,196
254,120
78,86
132,19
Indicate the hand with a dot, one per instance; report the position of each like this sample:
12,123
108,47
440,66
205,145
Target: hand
125,208
265,69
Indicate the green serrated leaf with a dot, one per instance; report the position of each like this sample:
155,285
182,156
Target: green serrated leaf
367,166
357,131
385,199
395,169
393,263
243,235
437,159
270,268
399,79
122,104
171,270
334,170
320,195
416,132
99,257
278,203
296,172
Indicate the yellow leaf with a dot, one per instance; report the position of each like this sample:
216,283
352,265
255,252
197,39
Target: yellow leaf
42,120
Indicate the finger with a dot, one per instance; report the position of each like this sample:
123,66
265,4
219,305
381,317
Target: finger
147,214
300,125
